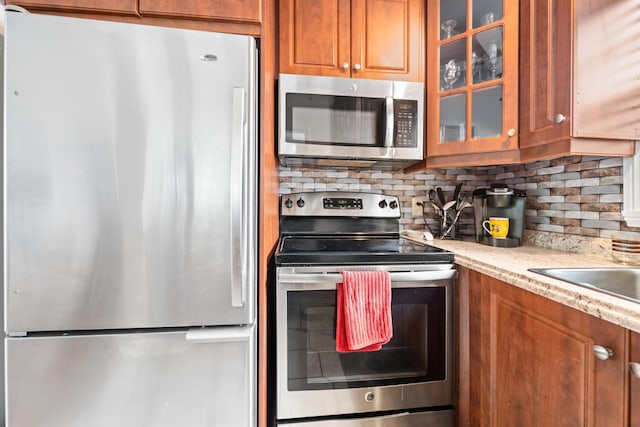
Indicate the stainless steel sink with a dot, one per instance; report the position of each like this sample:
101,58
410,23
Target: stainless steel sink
621,282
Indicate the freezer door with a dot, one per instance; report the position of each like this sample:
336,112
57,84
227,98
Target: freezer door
199,378
130,175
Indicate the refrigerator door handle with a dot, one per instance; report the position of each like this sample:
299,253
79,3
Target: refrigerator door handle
219,334
237,222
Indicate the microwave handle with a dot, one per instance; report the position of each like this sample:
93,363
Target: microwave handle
389,119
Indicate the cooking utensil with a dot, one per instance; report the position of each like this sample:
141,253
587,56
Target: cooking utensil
463,201
440,196
456,192
445,208
448,206
459,208
434,199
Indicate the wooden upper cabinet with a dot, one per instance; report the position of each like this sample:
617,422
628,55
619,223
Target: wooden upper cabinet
537,362
314,36
387,40
579,84
372,39
234,16
108,6
232,10
634,382
472,85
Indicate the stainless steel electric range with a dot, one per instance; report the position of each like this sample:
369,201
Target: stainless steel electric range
409,382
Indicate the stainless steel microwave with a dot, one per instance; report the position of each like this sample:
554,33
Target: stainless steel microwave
338,121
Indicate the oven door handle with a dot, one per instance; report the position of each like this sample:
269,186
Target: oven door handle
409,276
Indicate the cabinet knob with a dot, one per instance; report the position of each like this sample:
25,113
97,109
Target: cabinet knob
511,132
602,353
634,368
559,118
345,65
356,67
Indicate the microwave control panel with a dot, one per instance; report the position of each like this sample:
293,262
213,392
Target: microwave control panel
406,112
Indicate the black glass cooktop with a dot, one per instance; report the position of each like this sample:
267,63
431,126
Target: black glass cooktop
295,250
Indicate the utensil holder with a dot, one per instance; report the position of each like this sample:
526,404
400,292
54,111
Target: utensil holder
449,229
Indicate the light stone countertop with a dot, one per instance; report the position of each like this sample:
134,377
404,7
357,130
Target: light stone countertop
511,265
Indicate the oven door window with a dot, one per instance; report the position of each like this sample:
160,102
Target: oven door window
334,120
416,353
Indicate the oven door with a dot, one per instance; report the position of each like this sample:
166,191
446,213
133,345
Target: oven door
413,370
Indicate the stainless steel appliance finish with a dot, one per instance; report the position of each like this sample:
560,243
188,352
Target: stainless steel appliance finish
337,121
340,204
620,282
195,377
414,419
130,224
322,235
378,390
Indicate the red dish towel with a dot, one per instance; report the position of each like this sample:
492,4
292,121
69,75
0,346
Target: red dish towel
363,311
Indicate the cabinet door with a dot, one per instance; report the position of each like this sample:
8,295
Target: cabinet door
634,382
473,102
387,39
566,48
537,364
119,6
315,37
234,10
545,64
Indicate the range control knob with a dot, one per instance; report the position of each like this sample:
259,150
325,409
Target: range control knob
300,203
288,203
382,204
393,204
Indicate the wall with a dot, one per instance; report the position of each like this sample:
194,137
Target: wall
573,196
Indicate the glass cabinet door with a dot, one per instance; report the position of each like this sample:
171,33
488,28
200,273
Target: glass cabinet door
473,104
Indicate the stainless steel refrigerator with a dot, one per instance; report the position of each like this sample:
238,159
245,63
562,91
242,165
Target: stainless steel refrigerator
129,231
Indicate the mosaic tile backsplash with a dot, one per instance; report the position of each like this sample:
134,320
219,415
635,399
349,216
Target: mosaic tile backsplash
577,195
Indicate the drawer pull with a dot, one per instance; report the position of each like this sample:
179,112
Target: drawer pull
634,368
602,353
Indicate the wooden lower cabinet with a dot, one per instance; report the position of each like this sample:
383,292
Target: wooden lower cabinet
634,381
531,361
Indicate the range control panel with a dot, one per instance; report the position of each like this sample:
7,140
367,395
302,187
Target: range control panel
341,203
334,203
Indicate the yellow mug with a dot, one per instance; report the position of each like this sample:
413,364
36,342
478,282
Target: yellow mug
498,227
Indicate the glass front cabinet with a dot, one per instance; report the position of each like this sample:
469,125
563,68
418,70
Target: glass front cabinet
472,82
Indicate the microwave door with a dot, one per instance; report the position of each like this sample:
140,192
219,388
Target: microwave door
331,120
